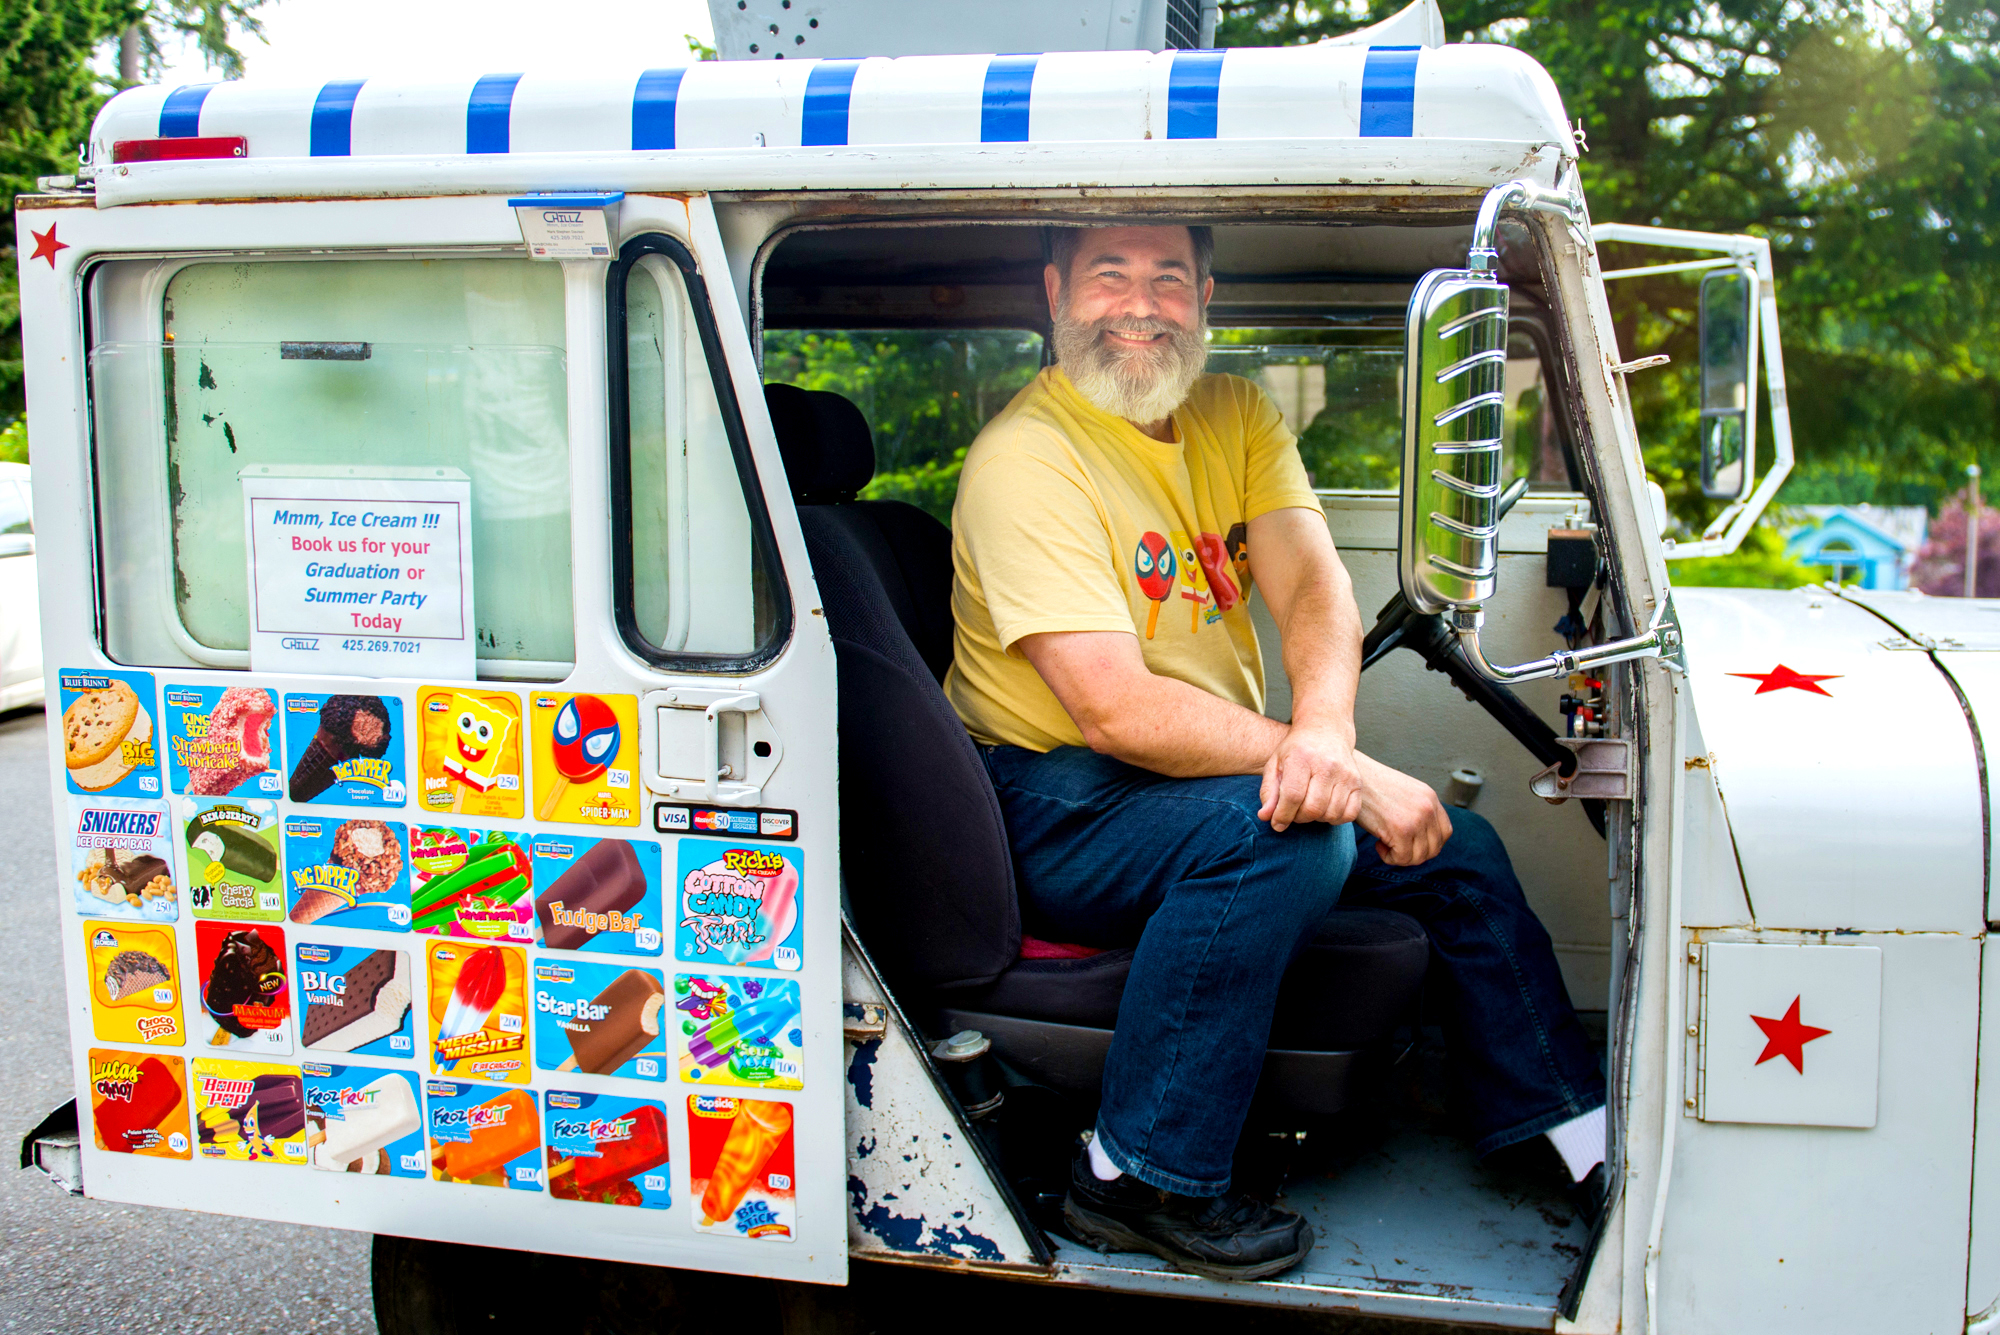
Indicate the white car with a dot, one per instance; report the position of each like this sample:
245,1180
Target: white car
20,608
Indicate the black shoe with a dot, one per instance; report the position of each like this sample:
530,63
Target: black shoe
1220,1237
1591,1195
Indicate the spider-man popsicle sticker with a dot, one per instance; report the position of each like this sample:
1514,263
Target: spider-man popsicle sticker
1153,562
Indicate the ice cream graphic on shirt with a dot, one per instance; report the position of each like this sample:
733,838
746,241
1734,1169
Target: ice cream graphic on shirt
1153,563
1194,580
1221,577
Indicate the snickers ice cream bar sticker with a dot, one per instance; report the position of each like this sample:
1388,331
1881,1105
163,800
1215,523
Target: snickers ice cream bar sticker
348,873
121,859
598,894
739,904
601,1019
356,999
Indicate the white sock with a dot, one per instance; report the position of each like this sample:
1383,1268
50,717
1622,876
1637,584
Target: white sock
1580,1141
1100,1163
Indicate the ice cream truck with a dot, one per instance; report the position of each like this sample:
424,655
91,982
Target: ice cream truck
498,745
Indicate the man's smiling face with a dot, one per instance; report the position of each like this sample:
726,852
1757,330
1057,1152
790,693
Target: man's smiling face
1129,328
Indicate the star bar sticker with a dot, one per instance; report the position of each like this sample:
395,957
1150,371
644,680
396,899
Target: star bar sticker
1782,678
1787,1038
46,245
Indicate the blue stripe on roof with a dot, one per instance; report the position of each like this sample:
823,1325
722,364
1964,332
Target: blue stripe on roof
180,114
653,105
829,91
1191,94
333,119
1003,106
1389,91
490,113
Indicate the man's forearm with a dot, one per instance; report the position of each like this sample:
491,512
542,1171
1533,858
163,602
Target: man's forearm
1185,733
1322,646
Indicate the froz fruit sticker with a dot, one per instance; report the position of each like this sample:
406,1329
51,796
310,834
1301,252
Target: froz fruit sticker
360,1119
739,1031
469,752
243,986
121,858
138,1104
601,1019
607,1149
249,1111
230,853
348,873
484,1137
598,894
107,727
740,904
355,999
740,1167
135,987
346,749
219,741
471,883
478,1011
586,754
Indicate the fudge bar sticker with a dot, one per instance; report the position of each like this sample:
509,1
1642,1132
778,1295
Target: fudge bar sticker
249,1111
469,749
229,850
598,894
121,859
108,734
739,1031
219,741
484,1137
739,904
135,987
345,749
607,1149
363,1120
244,991
355,999
471,883
138,1104
348,873
740,1167
478,1012
725,822
586,757
601,1019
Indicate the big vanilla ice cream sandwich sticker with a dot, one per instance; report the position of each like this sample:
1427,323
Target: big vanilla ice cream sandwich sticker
108,733
740,904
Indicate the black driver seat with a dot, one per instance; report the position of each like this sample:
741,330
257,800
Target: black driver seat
930,881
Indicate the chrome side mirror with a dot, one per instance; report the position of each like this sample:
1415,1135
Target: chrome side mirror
1728,383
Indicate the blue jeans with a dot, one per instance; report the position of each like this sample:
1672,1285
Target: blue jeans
1107,854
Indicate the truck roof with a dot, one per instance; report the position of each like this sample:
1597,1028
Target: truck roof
1456,115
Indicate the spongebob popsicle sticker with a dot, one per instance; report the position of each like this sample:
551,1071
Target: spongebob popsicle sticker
470,758
1153,563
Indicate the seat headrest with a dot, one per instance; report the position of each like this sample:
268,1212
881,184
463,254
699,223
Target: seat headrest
829,451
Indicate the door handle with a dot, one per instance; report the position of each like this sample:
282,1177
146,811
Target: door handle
687,760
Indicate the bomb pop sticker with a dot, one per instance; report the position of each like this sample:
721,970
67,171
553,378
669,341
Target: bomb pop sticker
600,1019
1153,565
345,749
739,1031
482,1137
348,873
478,1011
469,752
249,1112
607,1149
121,858
230,858
138,1104
360,1119
740,1167
598,894
244,990
219,741
586,751
471,883
740,904
135,989
107,726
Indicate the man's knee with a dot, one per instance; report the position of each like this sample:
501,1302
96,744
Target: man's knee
1302,868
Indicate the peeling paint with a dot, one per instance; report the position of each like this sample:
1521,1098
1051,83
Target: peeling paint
861,1072
903,1234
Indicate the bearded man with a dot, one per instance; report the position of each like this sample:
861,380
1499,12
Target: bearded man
1109,524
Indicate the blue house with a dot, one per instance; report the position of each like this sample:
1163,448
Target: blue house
1870,545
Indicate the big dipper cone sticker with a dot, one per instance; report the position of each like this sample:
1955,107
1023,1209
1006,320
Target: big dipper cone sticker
229,848
345,749
109,742
740,904
471,883
607,1149
355,999
348,873
135,989
601,1019
243,986
739,1031
740,1167
219,741
469,749
121,859
586,754
598,894
360,1119
138,1104
249,1111
478,1011
484,1137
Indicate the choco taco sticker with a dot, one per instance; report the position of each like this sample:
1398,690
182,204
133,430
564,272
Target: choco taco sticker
740,904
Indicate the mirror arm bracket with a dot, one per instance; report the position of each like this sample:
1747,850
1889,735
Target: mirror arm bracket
1662,638
1484,256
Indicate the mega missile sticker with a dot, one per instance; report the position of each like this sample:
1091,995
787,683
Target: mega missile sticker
478,1011
135,986
739,904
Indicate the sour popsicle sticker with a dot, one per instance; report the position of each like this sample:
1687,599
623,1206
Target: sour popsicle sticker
740,904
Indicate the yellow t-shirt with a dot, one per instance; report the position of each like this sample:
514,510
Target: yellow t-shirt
1068,518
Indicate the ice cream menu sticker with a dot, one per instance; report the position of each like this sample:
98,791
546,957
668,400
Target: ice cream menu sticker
740,1031
740,1167
248,1111
586,758
739,904
364,1120
348,873
601,1019
346,749
478,1011
469,752
607,1149
484,1137
138,1104
219,741
471,883
598,894
360,576
135,990
107,726
355,999
244,987
230,850
121,859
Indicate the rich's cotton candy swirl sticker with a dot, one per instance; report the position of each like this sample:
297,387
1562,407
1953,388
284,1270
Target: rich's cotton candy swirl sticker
740,904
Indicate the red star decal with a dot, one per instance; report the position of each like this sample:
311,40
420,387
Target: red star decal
1787,1038
46,245
1782,678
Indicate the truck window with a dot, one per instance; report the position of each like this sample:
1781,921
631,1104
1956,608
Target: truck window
15,516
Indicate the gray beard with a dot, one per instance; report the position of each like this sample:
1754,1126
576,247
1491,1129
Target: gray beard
1141,385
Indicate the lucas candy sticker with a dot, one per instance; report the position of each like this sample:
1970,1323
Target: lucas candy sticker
135,986
243,986
740,1167
138,1104
478,1011
107,727
469,749
355,999
345,749
348,873
121,858
360,1119
471,883
484,1137
607,1149
739,904
586,751
230,852
598,894
739,1031
219,741
601,1019
249,1111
